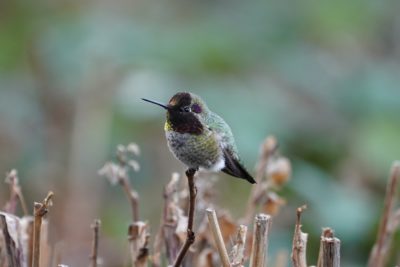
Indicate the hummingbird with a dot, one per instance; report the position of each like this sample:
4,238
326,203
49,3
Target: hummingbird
199,138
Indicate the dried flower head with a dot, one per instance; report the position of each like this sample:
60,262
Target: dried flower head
134,165
269,146
12,177
133,148
112,172
279,171
273,203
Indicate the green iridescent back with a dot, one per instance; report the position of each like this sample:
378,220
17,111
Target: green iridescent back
216,124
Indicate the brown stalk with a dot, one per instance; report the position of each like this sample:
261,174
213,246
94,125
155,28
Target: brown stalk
123,180
40,210
190,233
219,241
258,257
381,247
29,232
299,245
329,250
95,244
268,147
138,241
132,197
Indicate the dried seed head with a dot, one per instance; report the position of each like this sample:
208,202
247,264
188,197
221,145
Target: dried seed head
134,165
111,171
273,203
133,148
12,177
279,171
269,146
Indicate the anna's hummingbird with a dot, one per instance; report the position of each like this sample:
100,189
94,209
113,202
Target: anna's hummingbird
199,138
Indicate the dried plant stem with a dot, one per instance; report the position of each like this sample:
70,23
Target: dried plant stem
95,244
40,210
11,250
190,233
382,244
299,242
237,253
22,201
260,240
268,147
169,221
15,194
132,197
138,240
219,241
29,233
329,250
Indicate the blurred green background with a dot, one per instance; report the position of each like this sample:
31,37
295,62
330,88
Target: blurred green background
322,76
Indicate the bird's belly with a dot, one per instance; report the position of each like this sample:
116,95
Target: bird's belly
196,151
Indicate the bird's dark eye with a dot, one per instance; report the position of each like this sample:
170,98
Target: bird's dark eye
186,109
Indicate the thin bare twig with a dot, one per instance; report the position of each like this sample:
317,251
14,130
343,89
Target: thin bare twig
258,257
95,244
329,250
299,245
190,233
123,180
132,196
118,173
219,241
380,249
40,210
237,253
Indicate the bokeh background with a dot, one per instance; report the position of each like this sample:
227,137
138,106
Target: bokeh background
322,76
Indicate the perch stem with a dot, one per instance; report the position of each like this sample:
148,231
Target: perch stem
190,233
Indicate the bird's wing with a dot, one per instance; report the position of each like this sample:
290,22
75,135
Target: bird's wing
234,167
224,132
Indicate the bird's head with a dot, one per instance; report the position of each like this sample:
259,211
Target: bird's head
185,112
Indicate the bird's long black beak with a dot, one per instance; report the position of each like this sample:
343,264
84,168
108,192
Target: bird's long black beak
156,103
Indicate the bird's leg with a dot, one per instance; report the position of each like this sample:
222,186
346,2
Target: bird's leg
192,203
